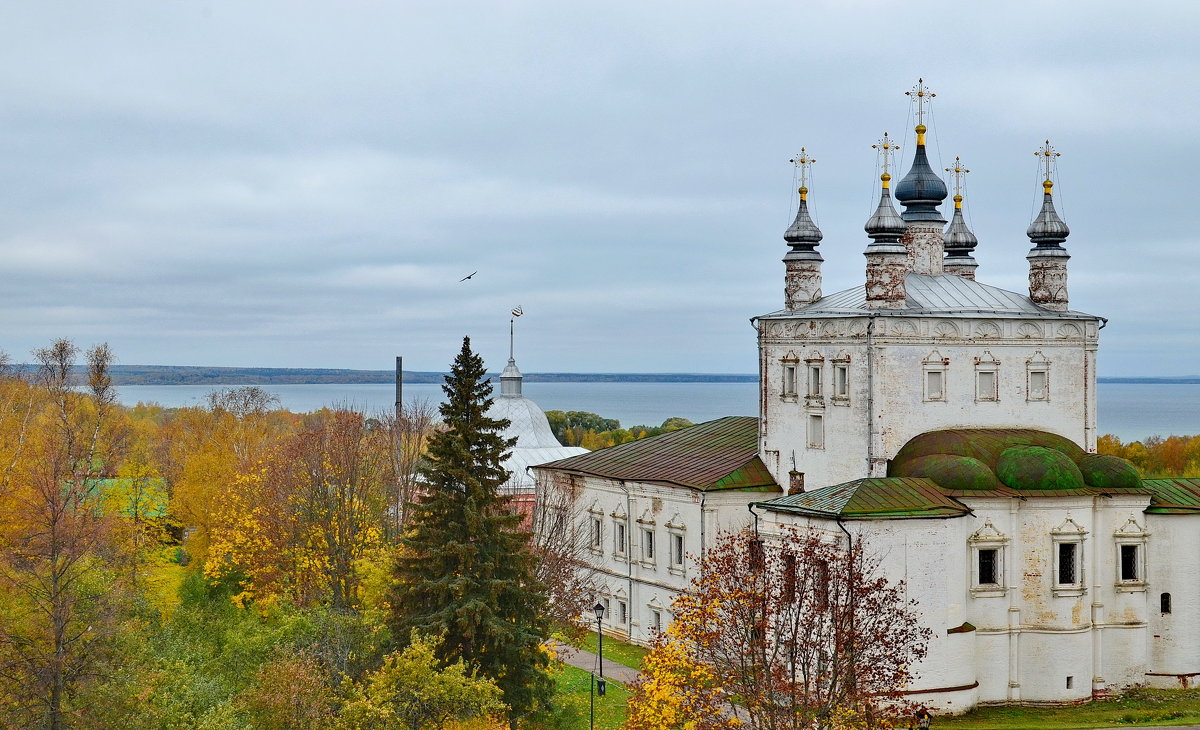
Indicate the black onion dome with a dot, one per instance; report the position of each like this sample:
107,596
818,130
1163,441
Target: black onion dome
921,191
803,234
1047,229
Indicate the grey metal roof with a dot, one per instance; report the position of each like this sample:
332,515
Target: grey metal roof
933,294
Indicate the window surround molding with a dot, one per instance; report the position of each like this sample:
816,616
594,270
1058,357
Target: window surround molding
814,380
789,373
814,427
1037,364
1131,533
676,529
1069,531
988,537
595,515
839,393
934,363
620,524
987,363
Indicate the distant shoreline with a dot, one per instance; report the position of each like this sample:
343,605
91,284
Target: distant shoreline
226,376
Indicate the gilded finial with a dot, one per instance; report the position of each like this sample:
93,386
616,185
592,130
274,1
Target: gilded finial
1047,154
921,95
958,171
886,148
802,162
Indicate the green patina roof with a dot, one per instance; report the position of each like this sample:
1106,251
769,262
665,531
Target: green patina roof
1173,496
861,499
711,456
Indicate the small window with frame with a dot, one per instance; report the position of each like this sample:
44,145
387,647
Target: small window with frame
987,546
597,532
789,374
648,545
933,378
987,378
1037,378
1068,542
816,431
841,380
1130,541
619,545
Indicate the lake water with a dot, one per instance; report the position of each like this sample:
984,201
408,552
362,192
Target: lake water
1129,410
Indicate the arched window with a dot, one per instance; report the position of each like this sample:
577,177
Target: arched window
1164,603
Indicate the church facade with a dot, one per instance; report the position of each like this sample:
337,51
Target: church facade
949,424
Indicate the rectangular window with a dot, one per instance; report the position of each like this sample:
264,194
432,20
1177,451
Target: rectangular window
656,620
648,544
989,566
596,532
677,550
619,539
789,380
622,612
1129,562
608,610
1038,385
985,385
841,381
935,385
816,431
814,381
1068,558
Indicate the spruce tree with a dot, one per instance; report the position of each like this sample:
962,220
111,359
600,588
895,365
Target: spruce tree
464,570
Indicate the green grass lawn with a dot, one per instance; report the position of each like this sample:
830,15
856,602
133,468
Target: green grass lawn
1134,708
572,695
618,651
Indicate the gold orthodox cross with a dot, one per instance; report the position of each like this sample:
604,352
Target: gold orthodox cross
802,162
886,148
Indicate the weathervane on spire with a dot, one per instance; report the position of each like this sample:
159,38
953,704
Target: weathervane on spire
886,148
921,95
802,162
957,171
1047,154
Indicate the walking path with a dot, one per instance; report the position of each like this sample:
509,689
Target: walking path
589,662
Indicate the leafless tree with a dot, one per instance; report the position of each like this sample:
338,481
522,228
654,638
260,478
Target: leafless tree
560,544
58,595
409,431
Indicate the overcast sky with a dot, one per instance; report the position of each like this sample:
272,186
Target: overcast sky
302,184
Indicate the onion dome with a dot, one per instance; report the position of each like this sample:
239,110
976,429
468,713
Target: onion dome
1047,229
959,241
803,234
921,191
885,226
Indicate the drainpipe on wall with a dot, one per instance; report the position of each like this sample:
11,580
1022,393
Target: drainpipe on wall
1014,611
1097,605
629,557
871,425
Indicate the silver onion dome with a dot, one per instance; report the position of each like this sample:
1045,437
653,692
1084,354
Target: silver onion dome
1048,230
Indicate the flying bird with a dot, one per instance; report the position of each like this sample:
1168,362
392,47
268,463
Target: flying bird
468,276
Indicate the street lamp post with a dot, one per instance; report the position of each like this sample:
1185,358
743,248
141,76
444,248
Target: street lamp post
599,611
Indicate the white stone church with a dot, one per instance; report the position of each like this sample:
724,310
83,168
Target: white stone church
952,425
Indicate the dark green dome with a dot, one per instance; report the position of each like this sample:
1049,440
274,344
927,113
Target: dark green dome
949,471
1038,468
1103,471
